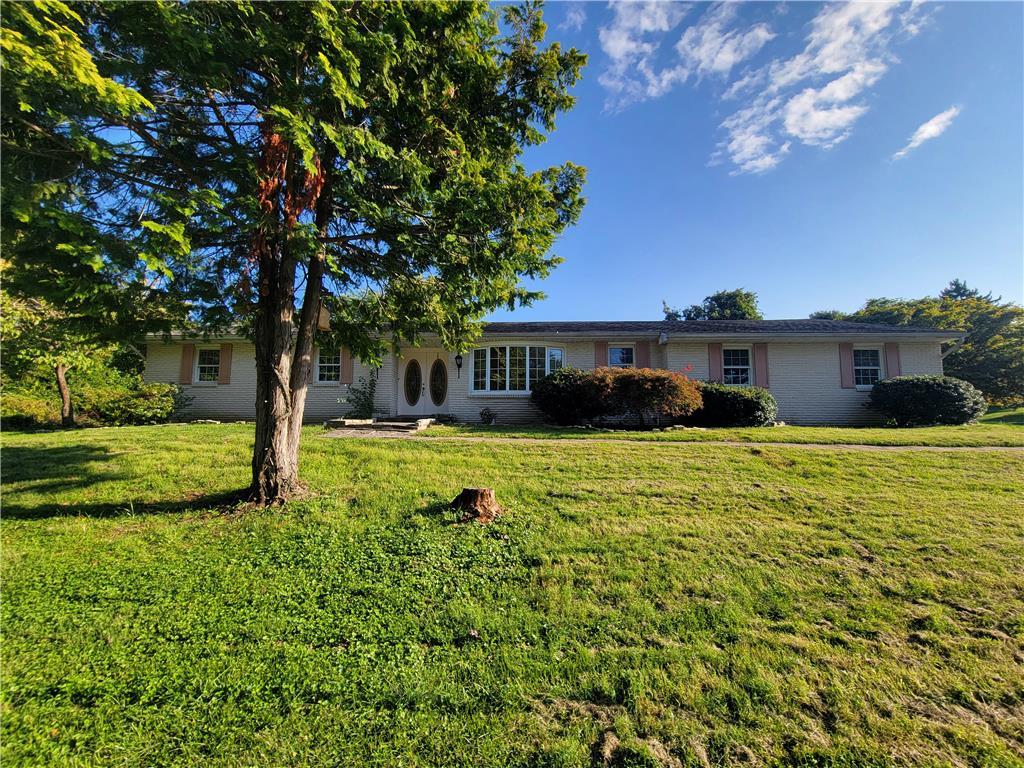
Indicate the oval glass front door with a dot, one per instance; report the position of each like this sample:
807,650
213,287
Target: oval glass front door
413,382
438,382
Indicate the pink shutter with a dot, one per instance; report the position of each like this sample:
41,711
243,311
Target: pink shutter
224,374
188,351
892,359
846,365
600,354
761,365
715,362
346,366
643,354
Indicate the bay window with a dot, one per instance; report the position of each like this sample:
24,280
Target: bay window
512,368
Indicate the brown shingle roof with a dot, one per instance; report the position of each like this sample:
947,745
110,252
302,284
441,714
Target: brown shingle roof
710,327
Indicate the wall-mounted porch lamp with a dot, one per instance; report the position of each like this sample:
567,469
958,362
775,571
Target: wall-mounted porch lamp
458,366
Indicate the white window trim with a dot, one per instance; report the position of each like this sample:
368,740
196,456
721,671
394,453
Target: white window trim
487,376
880,349
622,345
316,368
195,366
750,363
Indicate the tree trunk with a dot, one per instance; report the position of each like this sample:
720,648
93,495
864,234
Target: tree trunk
67,410
284,353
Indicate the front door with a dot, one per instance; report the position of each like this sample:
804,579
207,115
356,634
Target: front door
423,383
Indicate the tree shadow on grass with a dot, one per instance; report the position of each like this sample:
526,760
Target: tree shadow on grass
51,471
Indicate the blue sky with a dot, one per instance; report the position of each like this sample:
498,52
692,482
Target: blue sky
818,155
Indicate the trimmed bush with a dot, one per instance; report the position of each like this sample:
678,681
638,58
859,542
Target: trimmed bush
572,396
567,396
731,406
636,394
149,404
915,401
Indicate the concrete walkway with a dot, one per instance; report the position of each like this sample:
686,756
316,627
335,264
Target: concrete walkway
378,434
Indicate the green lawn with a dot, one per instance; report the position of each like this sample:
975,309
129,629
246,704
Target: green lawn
1008,415
1004,431
692,604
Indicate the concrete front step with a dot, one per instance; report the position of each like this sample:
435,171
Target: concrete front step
379,425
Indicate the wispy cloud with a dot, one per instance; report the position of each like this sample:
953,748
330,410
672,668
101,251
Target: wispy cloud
814,97
928,130
575,17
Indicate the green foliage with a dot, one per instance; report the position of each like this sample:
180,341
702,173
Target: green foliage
992,355
724,305
637,394
712,604
360,398
148,404
567,396
571,396
828,314
730,406
915,401
102,395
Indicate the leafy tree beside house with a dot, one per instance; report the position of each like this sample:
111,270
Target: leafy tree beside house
991,356
723,305
260,160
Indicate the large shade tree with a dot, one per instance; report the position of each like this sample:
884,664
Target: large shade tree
283,157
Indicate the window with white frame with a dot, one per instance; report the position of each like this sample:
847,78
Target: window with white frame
208,364
867,367
328,366
621,356
736,366
512,368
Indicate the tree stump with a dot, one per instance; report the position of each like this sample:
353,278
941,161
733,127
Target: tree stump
477,504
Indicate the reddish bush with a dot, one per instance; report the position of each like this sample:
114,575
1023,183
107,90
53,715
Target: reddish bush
634,394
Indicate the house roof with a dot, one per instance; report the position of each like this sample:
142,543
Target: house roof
703,328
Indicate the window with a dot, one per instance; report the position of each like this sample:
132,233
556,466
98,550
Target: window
736,366
867,367
512,369
620,356
208,364
328,365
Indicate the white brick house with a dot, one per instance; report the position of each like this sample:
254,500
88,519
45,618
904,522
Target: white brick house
820,371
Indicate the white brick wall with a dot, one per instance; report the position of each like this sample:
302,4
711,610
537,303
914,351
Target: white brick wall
803,376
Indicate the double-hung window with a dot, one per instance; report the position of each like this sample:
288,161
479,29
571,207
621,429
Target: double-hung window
621,356
867,367
328,366
512,368
208,364
736,366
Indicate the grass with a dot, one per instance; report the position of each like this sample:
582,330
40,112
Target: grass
996,432
1006,415
691,604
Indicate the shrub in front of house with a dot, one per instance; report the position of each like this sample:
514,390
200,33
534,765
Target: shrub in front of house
638,395
146,404
567,396
916,401
634,395
732,406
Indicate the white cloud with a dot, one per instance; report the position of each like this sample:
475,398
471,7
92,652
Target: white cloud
814,97
575,17
710,47
930,129
847,51
632,42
